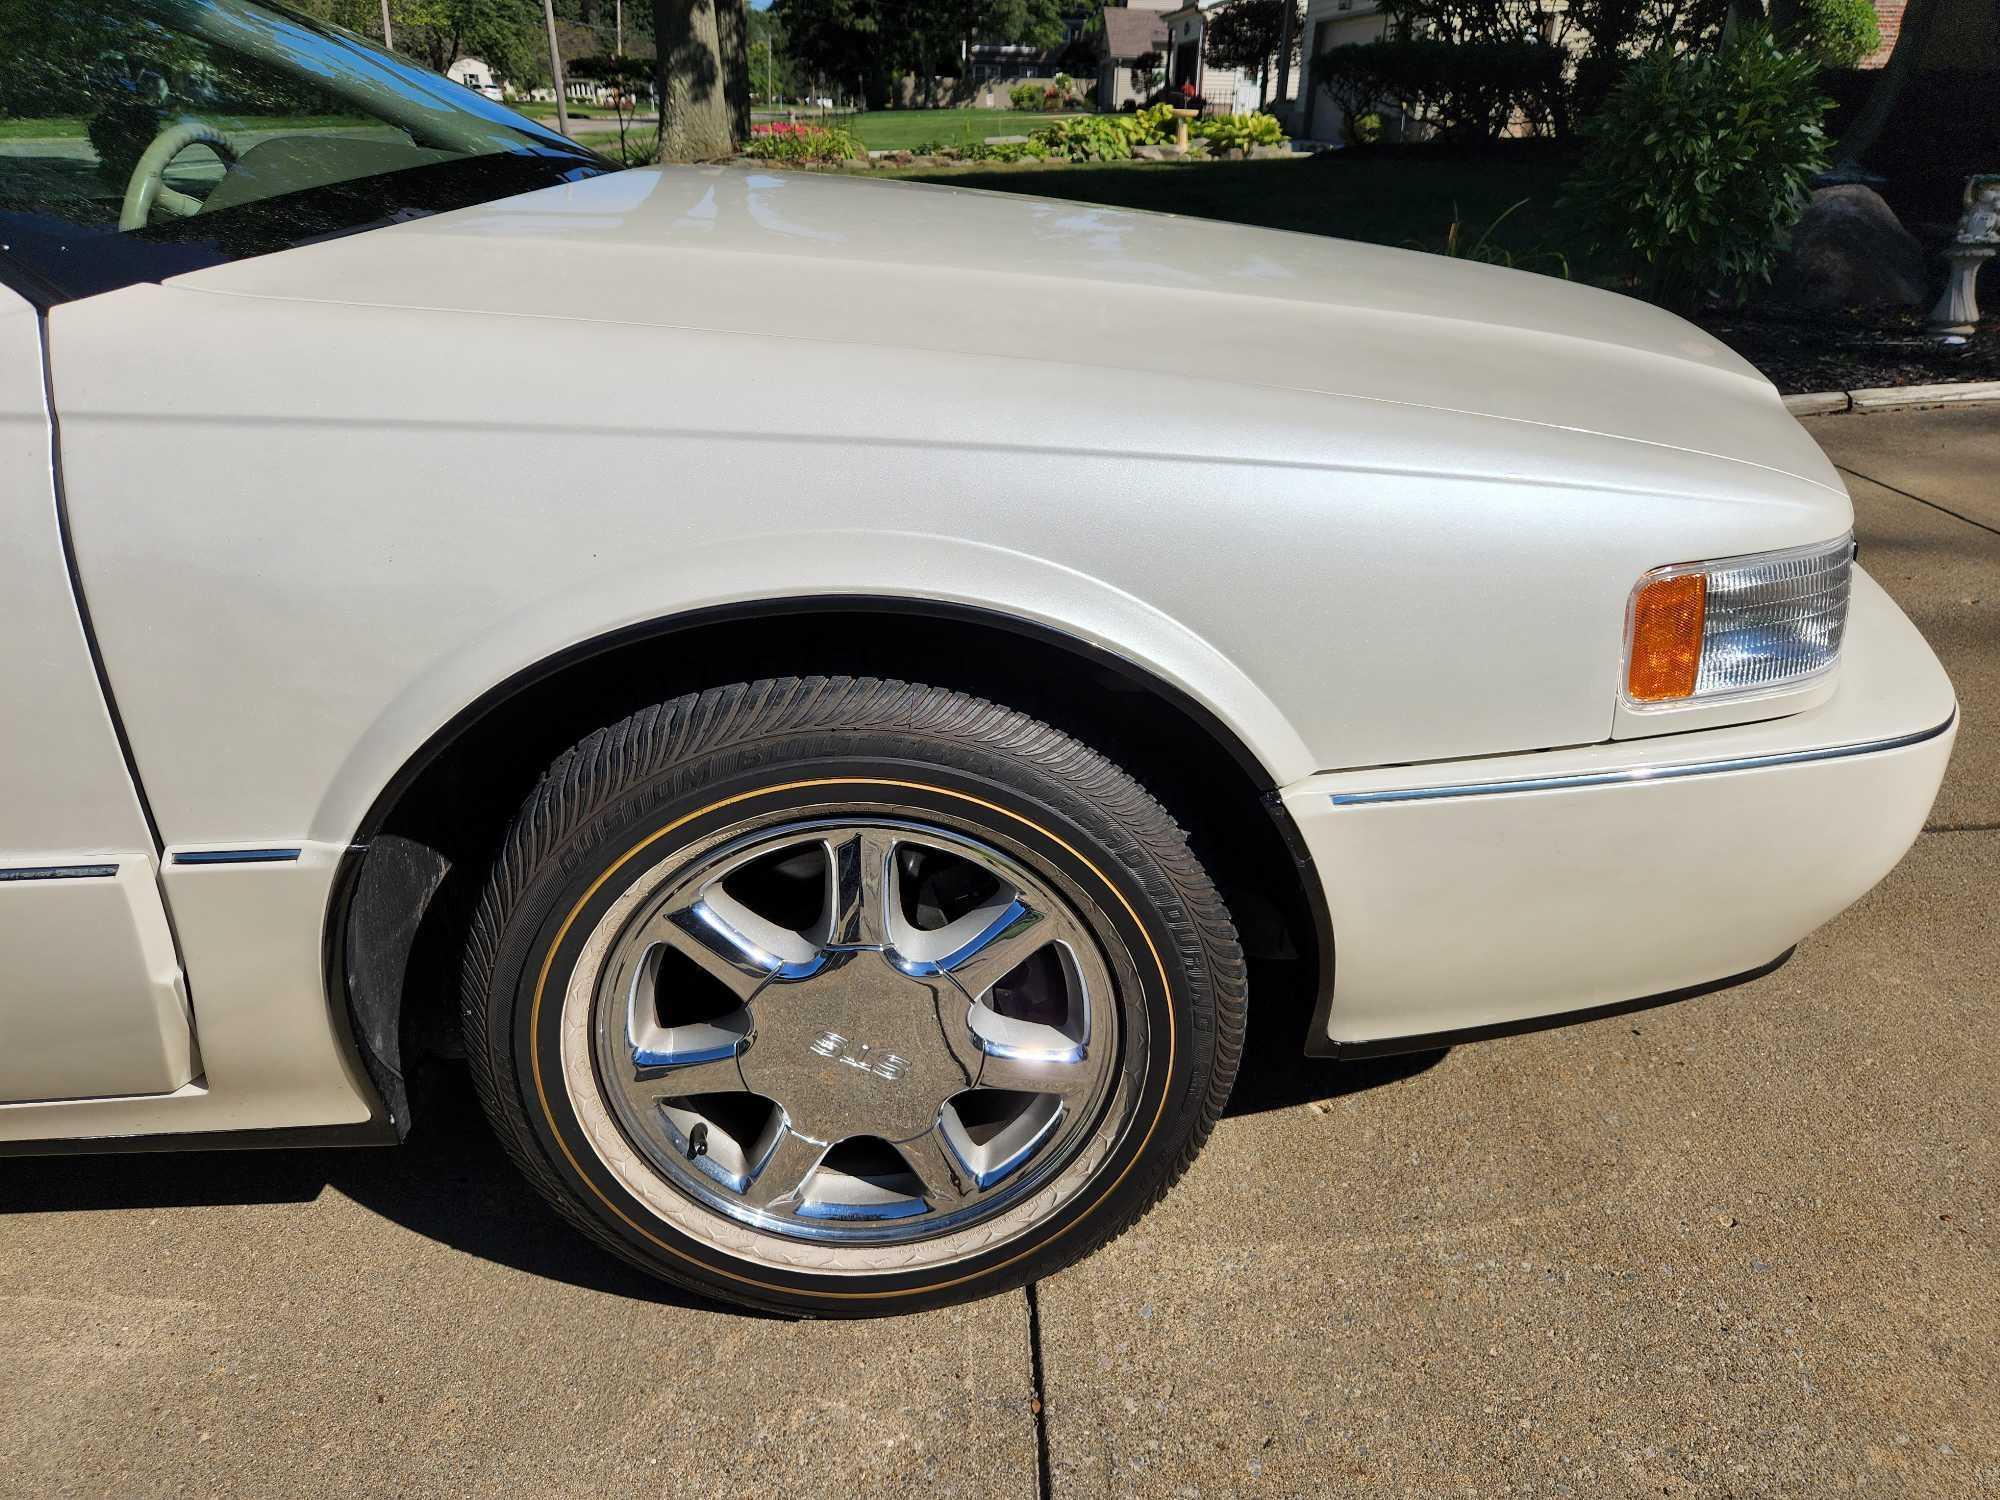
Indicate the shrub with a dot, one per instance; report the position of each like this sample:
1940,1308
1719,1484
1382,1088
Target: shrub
1088,138
1348,73
1013,151
799,144
1239,132
1835,33
1699,167
1029,96
1104,137
1461,90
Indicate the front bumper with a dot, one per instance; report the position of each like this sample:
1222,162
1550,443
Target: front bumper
1469,896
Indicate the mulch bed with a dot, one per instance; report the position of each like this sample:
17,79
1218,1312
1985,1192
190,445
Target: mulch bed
1851,351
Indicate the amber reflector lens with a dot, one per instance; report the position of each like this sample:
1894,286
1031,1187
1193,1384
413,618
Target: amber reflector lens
1666,638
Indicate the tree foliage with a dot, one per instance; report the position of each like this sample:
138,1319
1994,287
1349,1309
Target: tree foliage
1246,36
1462,91
1835,33
505,34
863,44
1700,164
1471,67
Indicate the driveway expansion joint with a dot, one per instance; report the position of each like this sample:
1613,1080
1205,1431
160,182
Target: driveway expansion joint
1907,495
1038,1403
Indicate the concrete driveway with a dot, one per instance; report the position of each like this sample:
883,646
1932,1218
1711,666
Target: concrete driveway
1741,1246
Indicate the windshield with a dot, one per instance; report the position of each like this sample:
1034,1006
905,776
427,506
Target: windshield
140,138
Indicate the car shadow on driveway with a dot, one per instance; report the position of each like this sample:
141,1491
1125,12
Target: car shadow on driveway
450,1182
1279,1079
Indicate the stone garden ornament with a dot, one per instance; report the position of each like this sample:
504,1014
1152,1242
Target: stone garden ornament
1978,237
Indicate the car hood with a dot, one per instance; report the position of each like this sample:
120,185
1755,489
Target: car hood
802,256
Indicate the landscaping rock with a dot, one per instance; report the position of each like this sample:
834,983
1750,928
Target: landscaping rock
1270,153
1154,153
1006,140
1850,250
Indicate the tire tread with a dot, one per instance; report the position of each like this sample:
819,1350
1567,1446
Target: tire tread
745,722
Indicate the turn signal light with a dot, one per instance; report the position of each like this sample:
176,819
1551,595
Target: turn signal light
1737,627
1666,638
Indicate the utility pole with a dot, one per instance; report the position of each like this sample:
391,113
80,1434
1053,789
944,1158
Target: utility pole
618,15
555,66
388,30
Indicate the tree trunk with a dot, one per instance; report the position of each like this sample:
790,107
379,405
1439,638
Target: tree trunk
696,112
1741,13
555,66
388,29
1860,136
732,36
1285,55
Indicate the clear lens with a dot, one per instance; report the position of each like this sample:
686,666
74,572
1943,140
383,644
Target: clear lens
1772,620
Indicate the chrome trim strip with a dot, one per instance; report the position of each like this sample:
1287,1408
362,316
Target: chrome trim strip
234,856
1633,774
57,872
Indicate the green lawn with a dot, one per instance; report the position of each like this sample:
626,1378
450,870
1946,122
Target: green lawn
73,127
1388,202
537,109
900,129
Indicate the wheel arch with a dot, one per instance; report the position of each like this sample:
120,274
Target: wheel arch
404,895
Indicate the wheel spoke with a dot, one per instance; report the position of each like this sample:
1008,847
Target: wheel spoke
983,947
777,1183
862,889
705,1075
987,1137
1068,1081
733,944
947,1182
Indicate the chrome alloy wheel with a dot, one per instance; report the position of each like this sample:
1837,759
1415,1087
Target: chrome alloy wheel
851,1041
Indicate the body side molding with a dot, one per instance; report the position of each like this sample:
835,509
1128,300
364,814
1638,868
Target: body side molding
1635,774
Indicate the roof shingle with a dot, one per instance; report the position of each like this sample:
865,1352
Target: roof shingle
1129,32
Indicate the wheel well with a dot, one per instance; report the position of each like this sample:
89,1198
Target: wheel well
435,831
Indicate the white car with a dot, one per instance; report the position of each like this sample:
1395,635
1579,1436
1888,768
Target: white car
836,695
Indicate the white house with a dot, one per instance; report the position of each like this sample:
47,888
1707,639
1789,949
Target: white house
1128,33
1330,23
1226,90
475,75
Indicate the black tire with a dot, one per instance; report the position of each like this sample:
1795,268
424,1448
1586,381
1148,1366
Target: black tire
664,776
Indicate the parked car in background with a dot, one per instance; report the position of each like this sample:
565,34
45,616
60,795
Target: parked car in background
840,752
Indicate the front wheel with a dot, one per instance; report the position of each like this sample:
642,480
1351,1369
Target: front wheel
845,997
